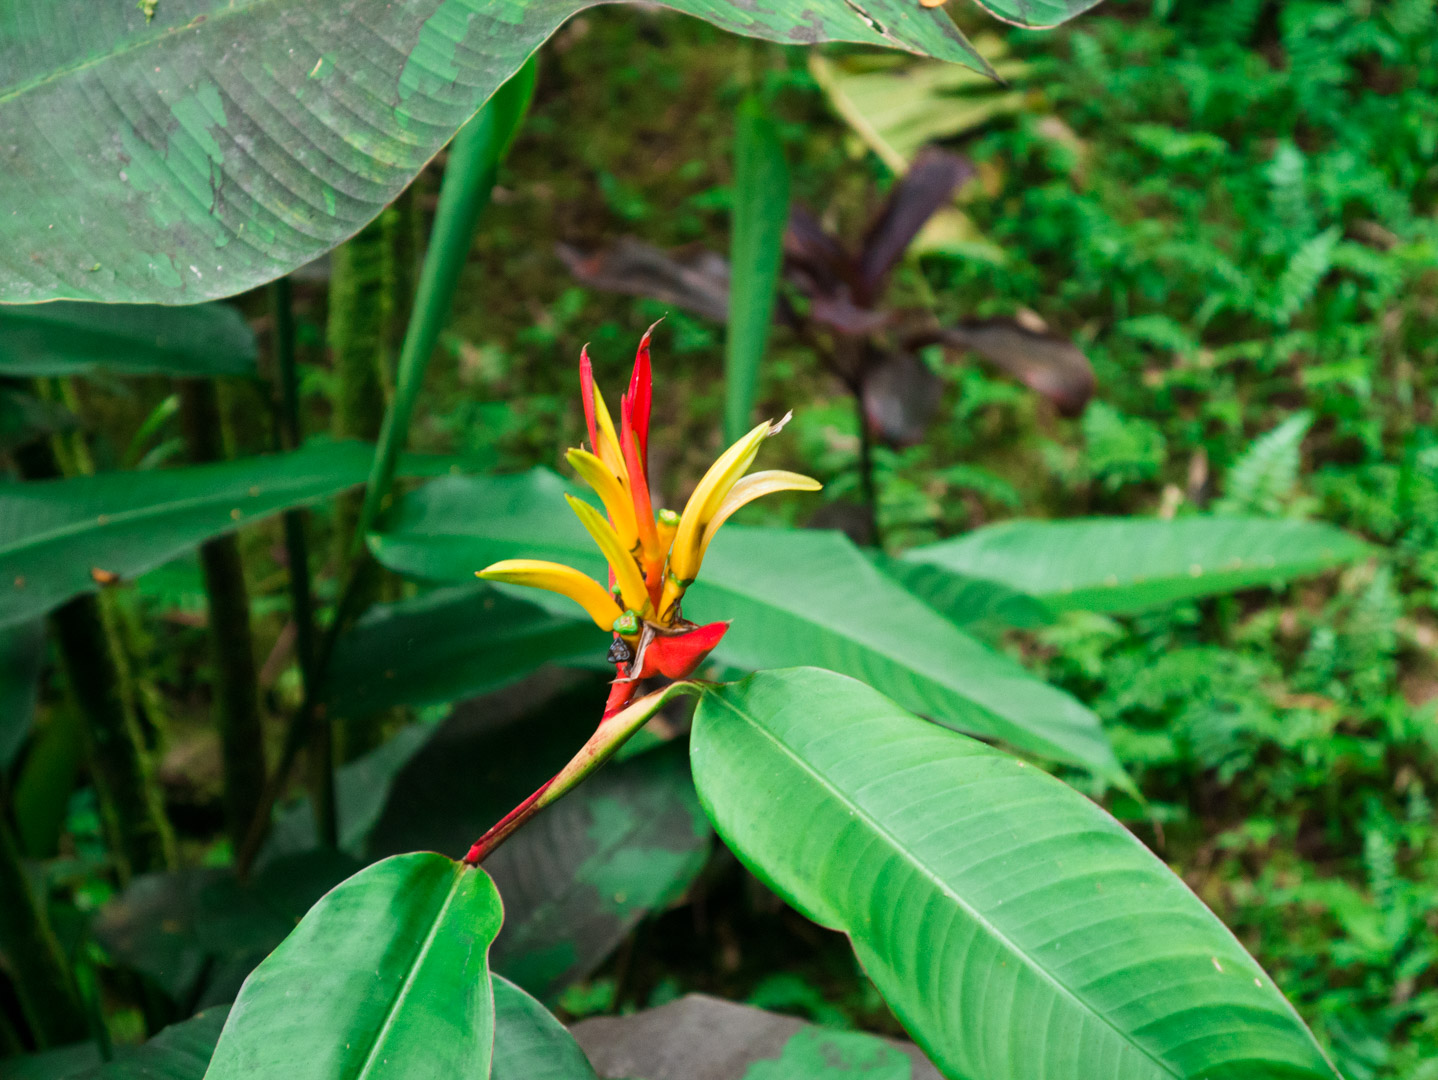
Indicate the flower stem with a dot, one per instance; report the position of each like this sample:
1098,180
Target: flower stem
613,732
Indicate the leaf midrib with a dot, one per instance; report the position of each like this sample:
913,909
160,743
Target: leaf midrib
859,813
416,964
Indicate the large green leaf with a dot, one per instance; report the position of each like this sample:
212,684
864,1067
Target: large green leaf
212,145
529,1043
388,975
1018,931
1125,564
796,597
448,645
71,339
59,538
180,1052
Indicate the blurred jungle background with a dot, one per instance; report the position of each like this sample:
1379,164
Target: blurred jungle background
1226,207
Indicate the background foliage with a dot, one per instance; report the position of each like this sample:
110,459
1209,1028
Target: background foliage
1229,205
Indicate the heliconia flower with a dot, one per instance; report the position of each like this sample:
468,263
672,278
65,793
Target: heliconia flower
653,556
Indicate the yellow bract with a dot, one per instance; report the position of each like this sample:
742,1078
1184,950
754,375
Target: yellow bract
558,578
621,561
652,558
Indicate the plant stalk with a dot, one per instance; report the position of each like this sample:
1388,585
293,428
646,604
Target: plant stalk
42,978
612,733
131,807
474,158
237,688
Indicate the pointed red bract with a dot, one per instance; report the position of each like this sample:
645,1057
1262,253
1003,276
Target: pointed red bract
676,656
586,393
641,396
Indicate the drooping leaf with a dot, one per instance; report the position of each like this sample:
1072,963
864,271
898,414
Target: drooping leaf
694,278
1046,363
59,538
580,876
196,933
74,339
157,162
448,645
926,187
704,1038
1017,930
756,248
22,654
43,782
529,1043
796,597
1125,564
387,975
901,397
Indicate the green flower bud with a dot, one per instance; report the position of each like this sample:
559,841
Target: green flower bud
627,624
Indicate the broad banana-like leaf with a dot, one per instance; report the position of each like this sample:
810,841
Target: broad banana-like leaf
1018,931
182,150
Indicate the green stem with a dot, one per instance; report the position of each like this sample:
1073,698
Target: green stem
133,813
42,978
297,552
237,688
612,733
474,158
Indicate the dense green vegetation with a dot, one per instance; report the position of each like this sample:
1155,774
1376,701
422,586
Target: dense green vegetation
1231,207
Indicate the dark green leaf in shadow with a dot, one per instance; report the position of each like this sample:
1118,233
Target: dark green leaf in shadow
128,339
529,1043
386,976
22,654
449,645
579,877
1018,931
25,418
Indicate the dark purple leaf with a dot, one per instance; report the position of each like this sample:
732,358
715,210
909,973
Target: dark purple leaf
842,315
694,279
1052,366
925,189
901,396
814,260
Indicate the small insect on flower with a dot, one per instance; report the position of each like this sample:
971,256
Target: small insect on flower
653,556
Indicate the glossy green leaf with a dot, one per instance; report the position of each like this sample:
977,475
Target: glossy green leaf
1125,564
796,597
59,538
1017,930
387,975
73,339
155,161
22,654
529,1043
448,645
756,249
